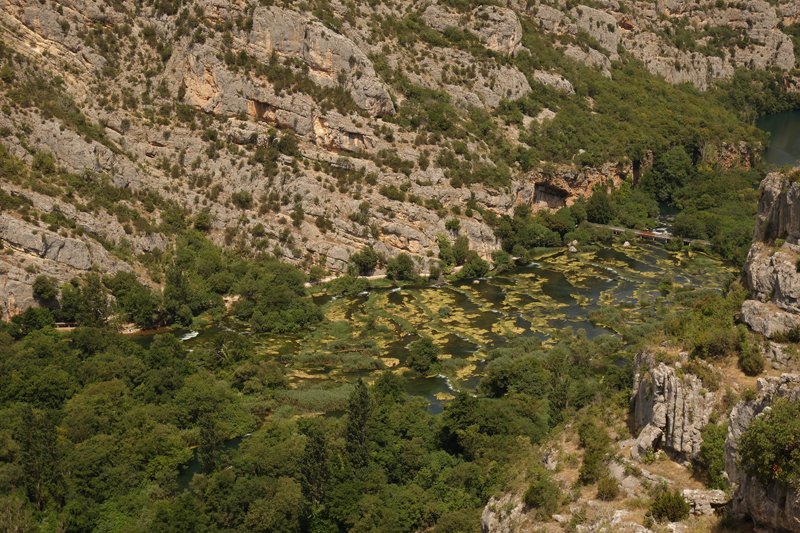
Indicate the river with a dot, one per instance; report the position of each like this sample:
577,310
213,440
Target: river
556,291
784,130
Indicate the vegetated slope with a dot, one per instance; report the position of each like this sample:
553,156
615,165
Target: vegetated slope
312,130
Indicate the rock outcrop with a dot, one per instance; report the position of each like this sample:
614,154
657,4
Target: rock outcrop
772,507
497,27
771,269
31,251
705,502
676,406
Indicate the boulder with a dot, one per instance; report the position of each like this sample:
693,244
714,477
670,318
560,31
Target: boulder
704,502
647,441
767,319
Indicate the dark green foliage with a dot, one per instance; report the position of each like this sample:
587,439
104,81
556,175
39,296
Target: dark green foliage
36,318
769,449
599,208
423,354
393,193
365,261
525,230
542,494
669,506
474,267
39,456
597,446
359,411
401,268
750,359
712,455
85,303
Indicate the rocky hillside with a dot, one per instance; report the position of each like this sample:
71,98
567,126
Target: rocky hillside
312,130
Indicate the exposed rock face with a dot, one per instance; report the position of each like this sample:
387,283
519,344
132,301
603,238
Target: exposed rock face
780,356
497,27
554,80
778,209
647,441
677,406
47,245
502,515
37,251
600,25
767,319
704,502
327,54
772,506
772,275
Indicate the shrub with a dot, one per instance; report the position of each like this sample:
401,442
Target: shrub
608,489
542,494
751,361
596,443
770,448
242,199
712,454
669,506
453,224
44,288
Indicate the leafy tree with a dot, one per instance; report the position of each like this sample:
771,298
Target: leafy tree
359,411
423,354
44,288
315,464
712,454
460,249
599,208
769,450
365,261
39,456
401,268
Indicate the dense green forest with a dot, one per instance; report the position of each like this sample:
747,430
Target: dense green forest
96,427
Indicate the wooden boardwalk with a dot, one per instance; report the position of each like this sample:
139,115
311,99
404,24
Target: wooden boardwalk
649,235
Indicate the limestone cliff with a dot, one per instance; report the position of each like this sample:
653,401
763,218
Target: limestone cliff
771,268
772,507
671,410
181,106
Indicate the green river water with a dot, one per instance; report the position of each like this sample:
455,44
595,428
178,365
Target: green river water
784,131
540,299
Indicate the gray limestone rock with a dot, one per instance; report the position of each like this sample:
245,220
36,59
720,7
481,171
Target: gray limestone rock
678,406
600,25
647,442
704,502
555,81
771,507
497,27
778,209
767,319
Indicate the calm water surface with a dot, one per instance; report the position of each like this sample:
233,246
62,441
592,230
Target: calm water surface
784,130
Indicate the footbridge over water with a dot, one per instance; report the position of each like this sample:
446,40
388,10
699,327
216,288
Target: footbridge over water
649,235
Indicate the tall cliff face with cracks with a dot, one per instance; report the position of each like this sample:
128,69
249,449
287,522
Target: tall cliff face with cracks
772,506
